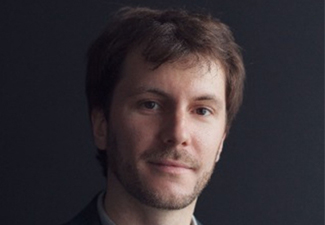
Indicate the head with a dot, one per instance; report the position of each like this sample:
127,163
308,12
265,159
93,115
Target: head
164,40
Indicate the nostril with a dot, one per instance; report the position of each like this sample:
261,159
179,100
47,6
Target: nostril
169,141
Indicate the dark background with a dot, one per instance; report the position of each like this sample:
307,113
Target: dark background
272,167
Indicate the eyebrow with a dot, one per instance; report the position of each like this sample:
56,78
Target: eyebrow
159,92
143,90
210,98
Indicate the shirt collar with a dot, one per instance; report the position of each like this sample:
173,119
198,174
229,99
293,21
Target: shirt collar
104,219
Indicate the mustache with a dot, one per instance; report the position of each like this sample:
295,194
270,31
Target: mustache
179,155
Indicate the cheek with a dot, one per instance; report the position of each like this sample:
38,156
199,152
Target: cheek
134,135
208,151
207,144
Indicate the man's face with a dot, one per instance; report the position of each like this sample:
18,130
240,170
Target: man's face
166,130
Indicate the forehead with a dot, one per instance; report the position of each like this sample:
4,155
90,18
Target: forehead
188,78
197,64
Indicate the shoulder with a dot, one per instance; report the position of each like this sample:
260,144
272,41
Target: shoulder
88,216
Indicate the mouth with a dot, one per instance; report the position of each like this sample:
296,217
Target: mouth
170,166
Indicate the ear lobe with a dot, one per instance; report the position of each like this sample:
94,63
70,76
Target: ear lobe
99,128
220,148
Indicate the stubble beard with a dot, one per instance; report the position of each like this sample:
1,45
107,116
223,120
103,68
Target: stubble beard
129,177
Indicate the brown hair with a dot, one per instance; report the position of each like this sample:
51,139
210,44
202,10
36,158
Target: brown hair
164,36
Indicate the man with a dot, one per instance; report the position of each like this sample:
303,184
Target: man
163,88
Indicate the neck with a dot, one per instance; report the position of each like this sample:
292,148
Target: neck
122,208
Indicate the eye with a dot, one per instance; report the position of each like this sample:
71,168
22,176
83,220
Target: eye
150,105
203,111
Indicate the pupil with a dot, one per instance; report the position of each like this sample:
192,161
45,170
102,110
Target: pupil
202,111
150,105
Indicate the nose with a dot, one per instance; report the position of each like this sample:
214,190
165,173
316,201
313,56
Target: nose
176,129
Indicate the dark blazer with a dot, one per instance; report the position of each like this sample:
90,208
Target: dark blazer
89,215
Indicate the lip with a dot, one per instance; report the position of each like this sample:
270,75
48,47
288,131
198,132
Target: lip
170,166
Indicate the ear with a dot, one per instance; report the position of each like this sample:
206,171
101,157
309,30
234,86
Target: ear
220,147
99,128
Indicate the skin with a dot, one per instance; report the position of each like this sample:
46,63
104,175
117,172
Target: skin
165,133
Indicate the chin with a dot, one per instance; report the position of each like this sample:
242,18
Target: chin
164,193
168,198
